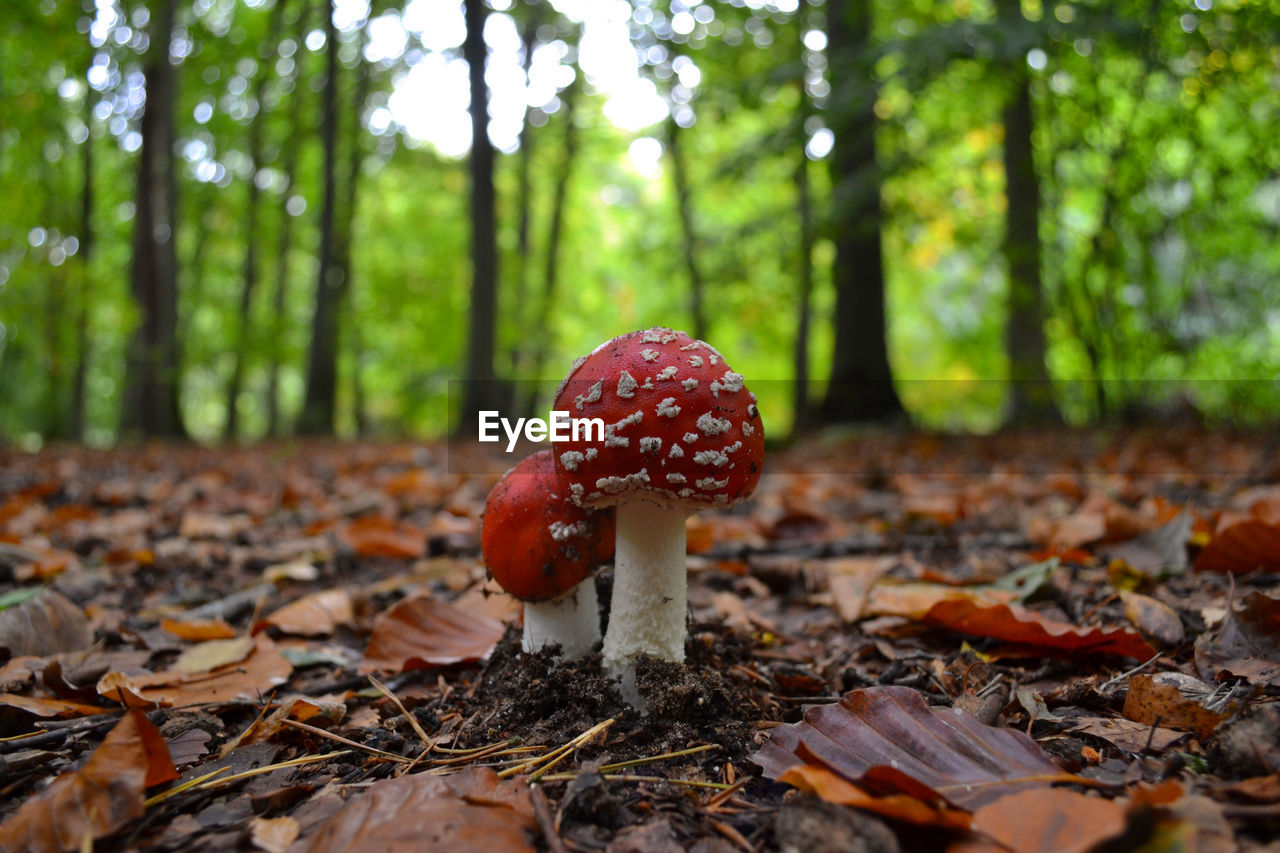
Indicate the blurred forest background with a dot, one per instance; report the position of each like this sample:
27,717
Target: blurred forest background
230,219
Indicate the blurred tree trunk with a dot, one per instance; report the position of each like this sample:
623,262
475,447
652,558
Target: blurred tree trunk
284,246
343,234
861,385
83,345
1031,395
480,391
801,411
240,336
555,232
518,354
319,406
689,236
151,405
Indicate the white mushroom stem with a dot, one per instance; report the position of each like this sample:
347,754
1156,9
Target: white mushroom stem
572,620
647,612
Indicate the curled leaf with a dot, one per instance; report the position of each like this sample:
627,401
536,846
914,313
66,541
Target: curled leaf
1015,624
421,632
887,740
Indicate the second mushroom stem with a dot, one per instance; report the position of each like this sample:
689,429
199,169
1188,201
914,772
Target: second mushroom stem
647,610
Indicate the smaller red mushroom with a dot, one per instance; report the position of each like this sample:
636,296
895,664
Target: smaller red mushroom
542,549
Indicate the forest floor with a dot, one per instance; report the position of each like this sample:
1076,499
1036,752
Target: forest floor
1043,641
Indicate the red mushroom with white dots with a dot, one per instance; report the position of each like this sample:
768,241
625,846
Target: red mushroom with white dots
542,548
682,433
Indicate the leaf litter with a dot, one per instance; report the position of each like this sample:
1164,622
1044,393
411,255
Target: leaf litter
359,691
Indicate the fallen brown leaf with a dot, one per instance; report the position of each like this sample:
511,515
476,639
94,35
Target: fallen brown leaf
1242,543
1154,618
1053,819
314,615
421,632
44,625
1015,624
470,810
1152,703
836,789
199,629
1246,644
886,740
375,536
249,679
99,798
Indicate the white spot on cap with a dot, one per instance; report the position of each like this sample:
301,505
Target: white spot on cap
592,453
711,425
714,360
617,485
667,372
651,337
695,361
634,418
676,452
747,428
690,384
690,437
593,394
676,478
561,532
752,411
626,385
611,440
691,345
651,444
733,448
571,459
668,408
710,484
686,492
650,354
648,383
576,490
710,457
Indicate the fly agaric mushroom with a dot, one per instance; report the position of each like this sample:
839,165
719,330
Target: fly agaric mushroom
542,549
681,434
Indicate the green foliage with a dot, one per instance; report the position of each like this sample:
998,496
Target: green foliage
1154,142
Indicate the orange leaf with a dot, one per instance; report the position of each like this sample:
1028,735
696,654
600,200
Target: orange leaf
470,810
1163,704
1015,624
836,789
1051,819
199,629
419,633
1242,544
312,615
43,707
375,536
99,798
44,625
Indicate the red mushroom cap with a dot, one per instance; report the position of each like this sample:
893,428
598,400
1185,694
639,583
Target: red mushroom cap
681,429
536,543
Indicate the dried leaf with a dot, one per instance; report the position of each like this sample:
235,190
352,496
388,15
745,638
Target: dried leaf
97,799
1246,644
850,580
470,810
913,600
273,834
375,536
44,707
1241,544
1160,552
1015,624
314,615
249,679
1153,618
1153,703
44,625
421,632
1055,819
1126,734
836,789
886,740
212,654
199,629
